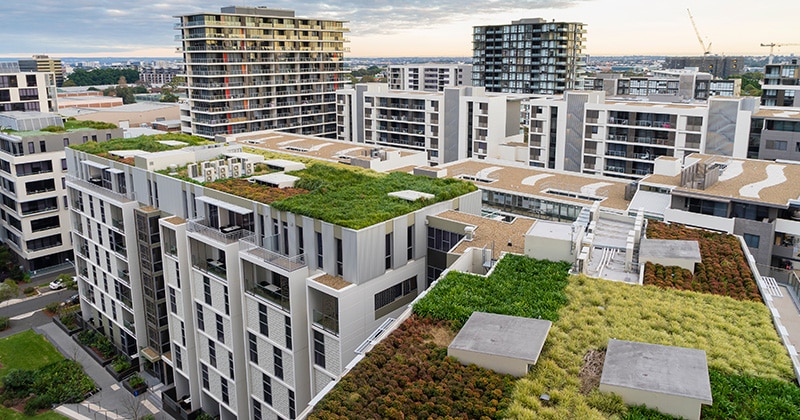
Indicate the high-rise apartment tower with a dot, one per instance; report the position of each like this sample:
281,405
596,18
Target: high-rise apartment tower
253,68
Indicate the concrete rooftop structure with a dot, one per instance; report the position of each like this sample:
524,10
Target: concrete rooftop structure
503,335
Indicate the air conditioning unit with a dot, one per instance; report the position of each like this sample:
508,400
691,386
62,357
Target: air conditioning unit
249,168
236,170
191,170
223,171
210,174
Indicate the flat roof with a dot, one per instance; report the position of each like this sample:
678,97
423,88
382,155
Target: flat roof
502,335
551,230
536,182
669,248
761,181
668,370
788,113
491,233
313,147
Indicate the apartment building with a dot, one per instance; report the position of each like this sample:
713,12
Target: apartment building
781,84
755,199
720,66
430,77
664,85
44,64
458,123
528,56
585,132
26,91
254,68
248,307
35,217
158,76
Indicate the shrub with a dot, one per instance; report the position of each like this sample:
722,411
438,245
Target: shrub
135,381
70,320
5,322
120,364
56,383
53,307
36,403
29,290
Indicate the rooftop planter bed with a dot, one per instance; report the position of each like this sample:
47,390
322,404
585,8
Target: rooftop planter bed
135,385
122,367
72,124
145,143
518,286
724,270
97,345
69,322
738,337
243,188
409,375
357,198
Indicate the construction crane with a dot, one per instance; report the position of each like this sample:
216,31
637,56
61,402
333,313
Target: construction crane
772,46
706,48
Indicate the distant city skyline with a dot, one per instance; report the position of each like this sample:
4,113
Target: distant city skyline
135,28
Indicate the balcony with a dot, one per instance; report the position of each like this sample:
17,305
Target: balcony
327,322
123,198
277,294
179,408
269,253
225,234
212,266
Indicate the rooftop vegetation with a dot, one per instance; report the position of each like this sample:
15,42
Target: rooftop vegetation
518,286
252,191
145,143
72,124
723,271
357,198
750,371
409,375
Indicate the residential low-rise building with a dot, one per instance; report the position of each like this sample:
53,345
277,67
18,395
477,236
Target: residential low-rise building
664,85
35,223
458,123
26,91
430,77
781,85
249,305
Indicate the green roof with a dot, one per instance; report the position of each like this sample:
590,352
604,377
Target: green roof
70,126
145,143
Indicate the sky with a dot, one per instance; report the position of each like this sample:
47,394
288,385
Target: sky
418,28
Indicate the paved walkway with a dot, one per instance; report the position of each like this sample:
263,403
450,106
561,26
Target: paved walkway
112,401
790,316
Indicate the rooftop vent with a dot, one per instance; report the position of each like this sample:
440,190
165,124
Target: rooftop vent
411,195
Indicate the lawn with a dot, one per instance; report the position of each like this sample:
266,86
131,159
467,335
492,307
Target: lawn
9,414
26,350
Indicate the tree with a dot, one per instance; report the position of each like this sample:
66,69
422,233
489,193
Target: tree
8,289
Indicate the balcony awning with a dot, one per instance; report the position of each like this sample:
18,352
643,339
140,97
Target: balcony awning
115,171
94,164
150,354
223,204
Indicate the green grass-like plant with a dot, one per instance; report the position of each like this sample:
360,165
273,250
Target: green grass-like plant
359,198
750,397
145,143
738,338
518,286
26,350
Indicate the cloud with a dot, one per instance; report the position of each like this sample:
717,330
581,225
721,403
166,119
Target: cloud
84,25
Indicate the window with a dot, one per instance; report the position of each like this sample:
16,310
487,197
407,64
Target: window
442,240
42,146
266,384
204,374
752,241
177,276
399,290
776,145
300,247
253,345
183,334
178,361
230,365
173,303
288,331
256,410
319,249
220,329
410,242
339,258
292,413
207,290
319,349
212,353
66,141
714,208
201,324
227,303
224,387
63,164
277,359
31,148
388,249
263,324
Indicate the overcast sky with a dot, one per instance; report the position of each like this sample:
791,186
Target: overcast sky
125,28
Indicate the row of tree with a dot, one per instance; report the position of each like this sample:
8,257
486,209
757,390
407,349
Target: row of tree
81,77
